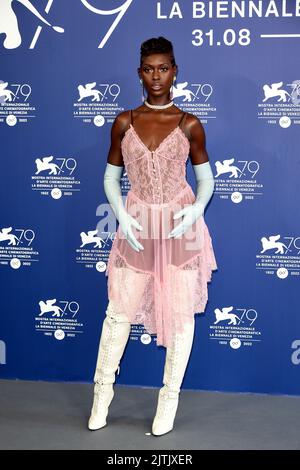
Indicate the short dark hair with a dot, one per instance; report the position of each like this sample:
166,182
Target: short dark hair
158,45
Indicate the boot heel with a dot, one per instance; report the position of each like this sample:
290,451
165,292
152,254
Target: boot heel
103,395
165,412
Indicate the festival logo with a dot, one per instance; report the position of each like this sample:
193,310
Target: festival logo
15,107
9,22
16,247
280,104
55,177
235,327
195,98
10,27
58,318
237,180
279,256
95,245
97,103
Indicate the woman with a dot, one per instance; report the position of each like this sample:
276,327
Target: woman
159,265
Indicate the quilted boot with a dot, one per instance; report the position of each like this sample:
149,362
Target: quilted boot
177,357
113,340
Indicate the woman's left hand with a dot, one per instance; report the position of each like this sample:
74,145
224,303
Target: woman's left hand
190,215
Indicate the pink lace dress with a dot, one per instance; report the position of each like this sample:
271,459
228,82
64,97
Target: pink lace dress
164,285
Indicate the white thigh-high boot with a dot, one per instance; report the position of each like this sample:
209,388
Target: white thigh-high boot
113,340
177,357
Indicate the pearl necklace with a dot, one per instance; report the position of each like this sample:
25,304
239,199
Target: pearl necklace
158,106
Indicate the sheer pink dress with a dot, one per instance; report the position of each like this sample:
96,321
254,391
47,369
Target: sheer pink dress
164,285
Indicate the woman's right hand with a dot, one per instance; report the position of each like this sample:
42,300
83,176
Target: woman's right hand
126,221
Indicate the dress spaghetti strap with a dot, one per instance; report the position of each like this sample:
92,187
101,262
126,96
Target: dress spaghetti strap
181,119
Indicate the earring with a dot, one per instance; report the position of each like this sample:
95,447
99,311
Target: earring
142,84
172,87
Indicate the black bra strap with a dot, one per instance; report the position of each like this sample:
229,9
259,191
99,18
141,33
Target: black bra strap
181,118
131,116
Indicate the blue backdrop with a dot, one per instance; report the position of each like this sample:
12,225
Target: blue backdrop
67,69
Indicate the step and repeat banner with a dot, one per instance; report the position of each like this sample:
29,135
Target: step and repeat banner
67,68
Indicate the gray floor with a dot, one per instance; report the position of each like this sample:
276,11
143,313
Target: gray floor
47,415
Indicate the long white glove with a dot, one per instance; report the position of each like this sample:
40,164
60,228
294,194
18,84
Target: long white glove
205,187
112,189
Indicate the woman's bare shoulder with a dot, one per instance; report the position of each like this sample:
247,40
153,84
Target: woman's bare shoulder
193,124
192,120
122,119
